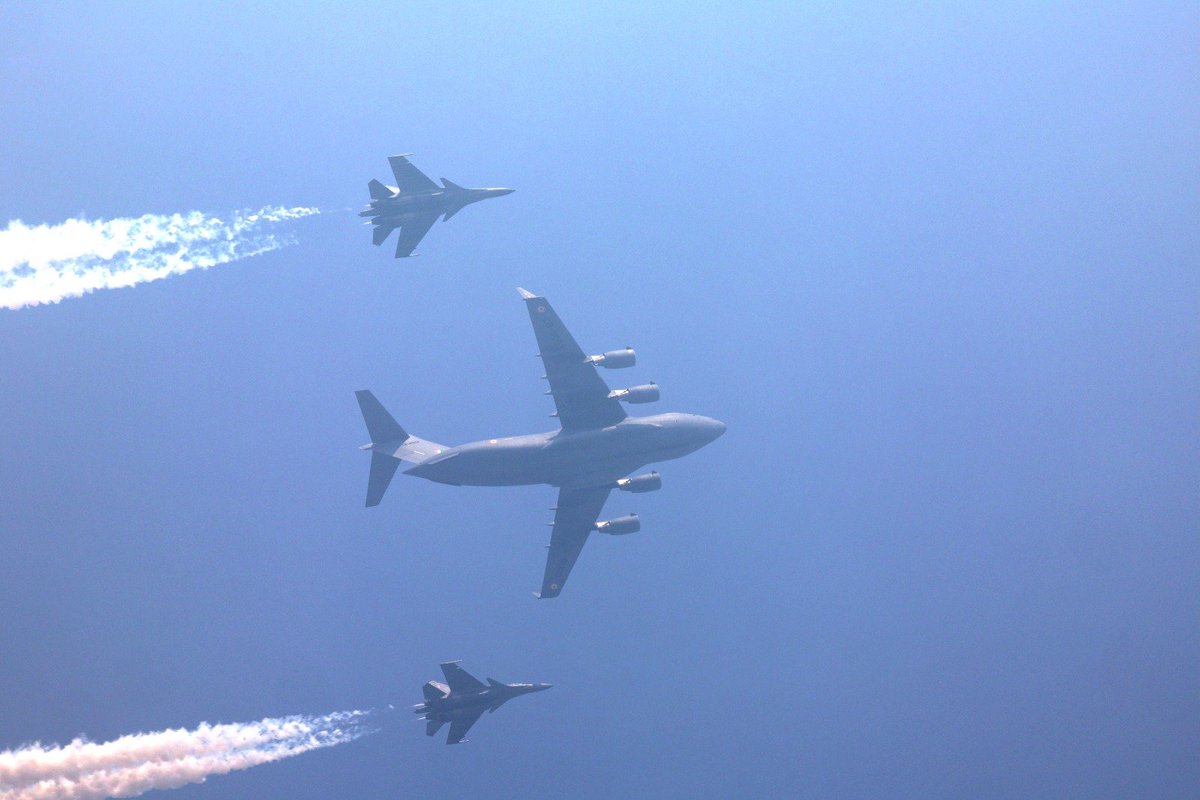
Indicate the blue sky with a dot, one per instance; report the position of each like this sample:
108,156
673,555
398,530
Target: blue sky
936,269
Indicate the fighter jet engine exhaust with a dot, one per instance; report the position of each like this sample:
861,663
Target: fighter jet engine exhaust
48,263
139,762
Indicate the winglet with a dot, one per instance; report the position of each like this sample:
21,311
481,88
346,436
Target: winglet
526,294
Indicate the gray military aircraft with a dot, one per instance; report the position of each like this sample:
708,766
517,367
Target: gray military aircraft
415,203
462,699
597,447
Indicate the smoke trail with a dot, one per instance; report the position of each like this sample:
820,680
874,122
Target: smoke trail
46,263
131,765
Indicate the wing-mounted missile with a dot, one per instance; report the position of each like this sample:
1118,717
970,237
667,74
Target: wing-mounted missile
638,484
614,359
646,393
619,526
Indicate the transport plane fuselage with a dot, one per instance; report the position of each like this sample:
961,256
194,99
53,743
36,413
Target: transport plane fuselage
564,458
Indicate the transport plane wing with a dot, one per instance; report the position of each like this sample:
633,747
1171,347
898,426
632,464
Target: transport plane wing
574,519
581,396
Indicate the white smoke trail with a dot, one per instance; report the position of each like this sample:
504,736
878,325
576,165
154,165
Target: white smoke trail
131,765
46,263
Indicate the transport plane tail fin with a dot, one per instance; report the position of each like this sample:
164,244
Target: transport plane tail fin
390,444
380,424
386,437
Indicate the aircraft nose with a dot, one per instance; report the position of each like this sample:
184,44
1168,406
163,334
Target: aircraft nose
539,687
716,428
502,192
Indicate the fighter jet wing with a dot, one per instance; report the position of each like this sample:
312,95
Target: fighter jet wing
409,178
574,517
580,394
459,680
460,725
412,233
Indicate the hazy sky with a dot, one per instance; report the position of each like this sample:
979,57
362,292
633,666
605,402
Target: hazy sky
936,269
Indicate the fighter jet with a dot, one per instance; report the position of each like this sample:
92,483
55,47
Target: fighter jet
415,203
595,450
462,699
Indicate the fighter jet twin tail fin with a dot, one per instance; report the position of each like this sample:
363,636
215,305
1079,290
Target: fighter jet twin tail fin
378,190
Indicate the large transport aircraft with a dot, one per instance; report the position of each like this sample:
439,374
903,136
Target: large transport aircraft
594,452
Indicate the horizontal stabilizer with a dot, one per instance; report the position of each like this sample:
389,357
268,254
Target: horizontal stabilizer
383,468
378,190
381,233
433,726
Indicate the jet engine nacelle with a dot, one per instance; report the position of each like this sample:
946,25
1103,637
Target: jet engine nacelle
614,359
649,482
620,526
646,393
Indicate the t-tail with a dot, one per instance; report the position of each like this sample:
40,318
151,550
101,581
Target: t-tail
390,444
386,437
